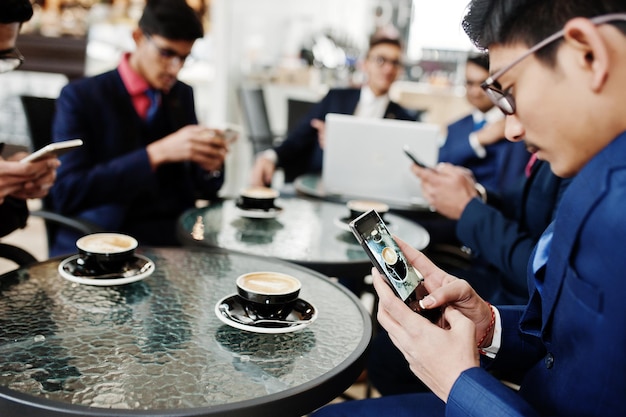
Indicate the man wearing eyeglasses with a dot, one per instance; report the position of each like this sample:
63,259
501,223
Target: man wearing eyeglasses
558,73
18,181
145,159
302,150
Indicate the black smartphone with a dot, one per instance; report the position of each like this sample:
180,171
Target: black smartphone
405,280
407,152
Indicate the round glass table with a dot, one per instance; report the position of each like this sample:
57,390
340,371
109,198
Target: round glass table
308,232
155,347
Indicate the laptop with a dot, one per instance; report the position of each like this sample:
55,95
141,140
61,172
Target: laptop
364,158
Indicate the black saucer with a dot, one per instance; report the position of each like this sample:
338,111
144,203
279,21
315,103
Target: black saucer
137,268
256,213
231,311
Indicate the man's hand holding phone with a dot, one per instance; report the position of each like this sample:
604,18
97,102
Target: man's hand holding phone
436,353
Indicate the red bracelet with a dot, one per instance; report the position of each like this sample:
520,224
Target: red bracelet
489,328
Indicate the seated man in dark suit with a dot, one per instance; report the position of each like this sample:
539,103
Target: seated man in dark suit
145,159
477,140
501,232
301,151
18,181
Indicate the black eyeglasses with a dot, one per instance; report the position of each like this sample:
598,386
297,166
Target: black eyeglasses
380,61
10,59
503,99
167,53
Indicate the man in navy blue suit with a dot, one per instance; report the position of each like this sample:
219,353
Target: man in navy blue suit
18,181
558,73
301,151
145,159
477,140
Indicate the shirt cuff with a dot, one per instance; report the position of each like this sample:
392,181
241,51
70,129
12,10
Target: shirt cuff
479,149
491,350
270,155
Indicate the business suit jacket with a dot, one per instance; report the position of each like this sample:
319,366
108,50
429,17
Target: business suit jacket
109,181
570,338
13,215
514,220
501,168
300,152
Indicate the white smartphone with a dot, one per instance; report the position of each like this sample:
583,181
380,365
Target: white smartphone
404,279
56,149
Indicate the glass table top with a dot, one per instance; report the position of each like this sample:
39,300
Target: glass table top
307,231
156,347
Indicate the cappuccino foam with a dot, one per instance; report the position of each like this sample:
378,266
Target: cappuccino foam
259,192
268,283
106,243
365,205
390,255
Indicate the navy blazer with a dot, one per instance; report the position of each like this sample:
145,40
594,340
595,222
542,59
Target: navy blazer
500,169
300,152
515,220
109,181
570,338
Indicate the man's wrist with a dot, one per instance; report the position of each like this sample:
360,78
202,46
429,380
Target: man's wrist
269,155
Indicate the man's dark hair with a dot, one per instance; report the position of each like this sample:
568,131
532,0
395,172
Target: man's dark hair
489,22
482,60
15,11
172,19
381,40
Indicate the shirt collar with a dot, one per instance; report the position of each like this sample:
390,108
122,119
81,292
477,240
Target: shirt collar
368,97
492,115
135,84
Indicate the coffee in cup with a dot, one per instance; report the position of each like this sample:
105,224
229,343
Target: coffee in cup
257,198
104,252
358,207
268,294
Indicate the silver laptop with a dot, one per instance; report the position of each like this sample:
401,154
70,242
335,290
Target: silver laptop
364,158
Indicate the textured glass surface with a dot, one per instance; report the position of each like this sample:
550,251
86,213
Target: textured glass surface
156,343
305,231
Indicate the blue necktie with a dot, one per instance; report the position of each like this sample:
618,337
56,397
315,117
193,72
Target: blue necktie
479,125
542,253
153,96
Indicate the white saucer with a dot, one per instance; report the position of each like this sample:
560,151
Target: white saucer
259,213
232,304
67,265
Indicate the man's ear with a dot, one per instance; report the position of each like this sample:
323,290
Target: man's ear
585,37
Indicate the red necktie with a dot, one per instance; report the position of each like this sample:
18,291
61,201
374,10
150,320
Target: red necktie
529,165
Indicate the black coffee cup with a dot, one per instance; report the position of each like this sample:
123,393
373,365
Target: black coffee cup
257,198
358,207
268,295
101,253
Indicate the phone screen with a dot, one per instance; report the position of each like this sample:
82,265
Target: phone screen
386,255
406,281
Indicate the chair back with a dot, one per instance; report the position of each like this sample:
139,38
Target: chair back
256,119
296,110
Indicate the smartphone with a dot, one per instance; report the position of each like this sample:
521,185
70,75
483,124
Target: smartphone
405,280
56,149
413,158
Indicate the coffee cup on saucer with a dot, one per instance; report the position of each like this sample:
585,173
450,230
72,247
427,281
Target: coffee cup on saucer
257,198
358,207
268,295
101,253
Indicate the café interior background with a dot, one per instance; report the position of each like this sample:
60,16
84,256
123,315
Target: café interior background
293,48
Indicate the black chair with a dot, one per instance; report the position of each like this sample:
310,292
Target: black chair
17,255
296,110
39,112
256,119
